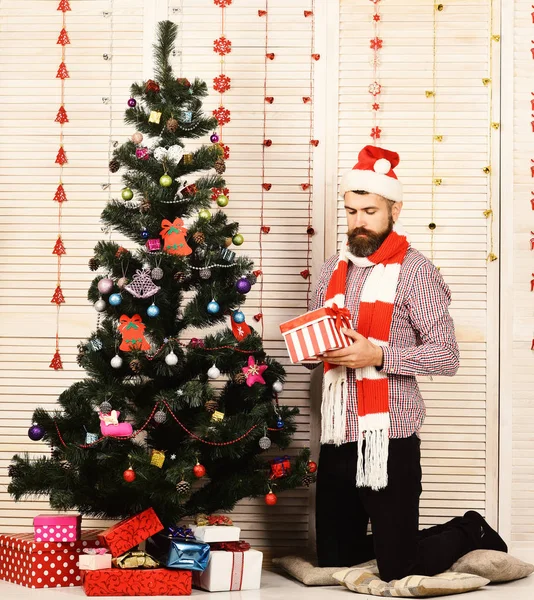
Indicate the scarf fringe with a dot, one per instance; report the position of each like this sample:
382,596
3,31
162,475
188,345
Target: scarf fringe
334,407
372,468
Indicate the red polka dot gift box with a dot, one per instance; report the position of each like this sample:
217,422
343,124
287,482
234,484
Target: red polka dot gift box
57,528
43,564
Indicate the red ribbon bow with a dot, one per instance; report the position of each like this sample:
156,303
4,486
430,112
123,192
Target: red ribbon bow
241,546
342,315
130,323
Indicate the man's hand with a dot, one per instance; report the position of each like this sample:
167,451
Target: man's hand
362,353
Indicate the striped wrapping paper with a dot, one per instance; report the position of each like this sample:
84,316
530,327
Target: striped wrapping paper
313,333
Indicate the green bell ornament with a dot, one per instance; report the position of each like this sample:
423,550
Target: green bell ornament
165,180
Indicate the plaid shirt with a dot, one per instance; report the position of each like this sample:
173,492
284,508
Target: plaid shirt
421,340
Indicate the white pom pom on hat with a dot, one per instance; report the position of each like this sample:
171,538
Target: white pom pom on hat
374,173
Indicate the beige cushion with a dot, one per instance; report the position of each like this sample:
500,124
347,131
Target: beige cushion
305,571
363,581
495,566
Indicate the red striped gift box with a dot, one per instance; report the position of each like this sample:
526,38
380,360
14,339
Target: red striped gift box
316,332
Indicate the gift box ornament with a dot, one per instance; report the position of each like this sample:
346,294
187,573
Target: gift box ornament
280,467
153,244
136,559
126,534
228,255
137,582
215,528
57,528
231,567
315,332
93,559
43,564
178,549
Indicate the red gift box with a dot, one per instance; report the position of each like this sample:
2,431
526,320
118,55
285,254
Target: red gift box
280,467
315,332
137,582
43,564
126,534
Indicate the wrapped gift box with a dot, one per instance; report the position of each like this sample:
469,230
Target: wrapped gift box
230,571
137,582
43,564
216,533
95,561
126,534
315,332
179,553
57,528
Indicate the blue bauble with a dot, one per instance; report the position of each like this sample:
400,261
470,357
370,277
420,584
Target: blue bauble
152,311
145,234
115,299
36,432
279,423
213,307
238,316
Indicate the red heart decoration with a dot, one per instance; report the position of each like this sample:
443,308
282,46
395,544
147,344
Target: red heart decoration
269,99
308,13
316,56
306,99
267,143
258,317
270,55
265,229
266,186
305,274
258,273
305,186
262,13
314,143
310,231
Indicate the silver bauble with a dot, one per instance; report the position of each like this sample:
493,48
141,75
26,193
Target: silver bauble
171,359
116,362
278,387
205,273
105,407
160,416
156,273
100,305
265,443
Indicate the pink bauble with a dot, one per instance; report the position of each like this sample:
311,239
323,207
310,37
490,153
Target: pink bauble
105,285
137,137
142,153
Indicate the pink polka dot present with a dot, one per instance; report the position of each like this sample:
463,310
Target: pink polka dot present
57,528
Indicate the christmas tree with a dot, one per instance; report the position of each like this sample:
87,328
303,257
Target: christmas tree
182,422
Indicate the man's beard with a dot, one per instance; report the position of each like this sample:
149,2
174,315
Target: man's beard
365,246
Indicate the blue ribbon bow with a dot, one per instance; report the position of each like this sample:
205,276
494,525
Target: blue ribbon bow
182,533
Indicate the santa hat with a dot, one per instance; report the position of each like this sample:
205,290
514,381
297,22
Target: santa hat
374,173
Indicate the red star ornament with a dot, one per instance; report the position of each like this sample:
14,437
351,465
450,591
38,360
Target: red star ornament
376,17
254,372
376,106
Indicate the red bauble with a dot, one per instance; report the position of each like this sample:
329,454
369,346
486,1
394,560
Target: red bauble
199,470
270,499
312,466
129,475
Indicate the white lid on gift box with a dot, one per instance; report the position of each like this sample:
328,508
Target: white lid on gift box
216,533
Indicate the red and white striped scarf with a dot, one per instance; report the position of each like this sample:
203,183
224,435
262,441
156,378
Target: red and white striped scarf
374,322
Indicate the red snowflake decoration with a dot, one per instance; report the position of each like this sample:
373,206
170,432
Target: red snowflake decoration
376,43
376,17
222,3
375,88
221,83
226,150
376,106
222,46
222,115
375,133
216,192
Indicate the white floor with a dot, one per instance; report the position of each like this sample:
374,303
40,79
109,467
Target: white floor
275,586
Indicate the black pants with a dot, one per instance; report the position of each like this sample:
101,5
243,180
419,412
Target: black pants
343,512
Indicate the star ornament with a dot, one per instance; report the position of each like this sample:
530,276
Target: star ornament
253,372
